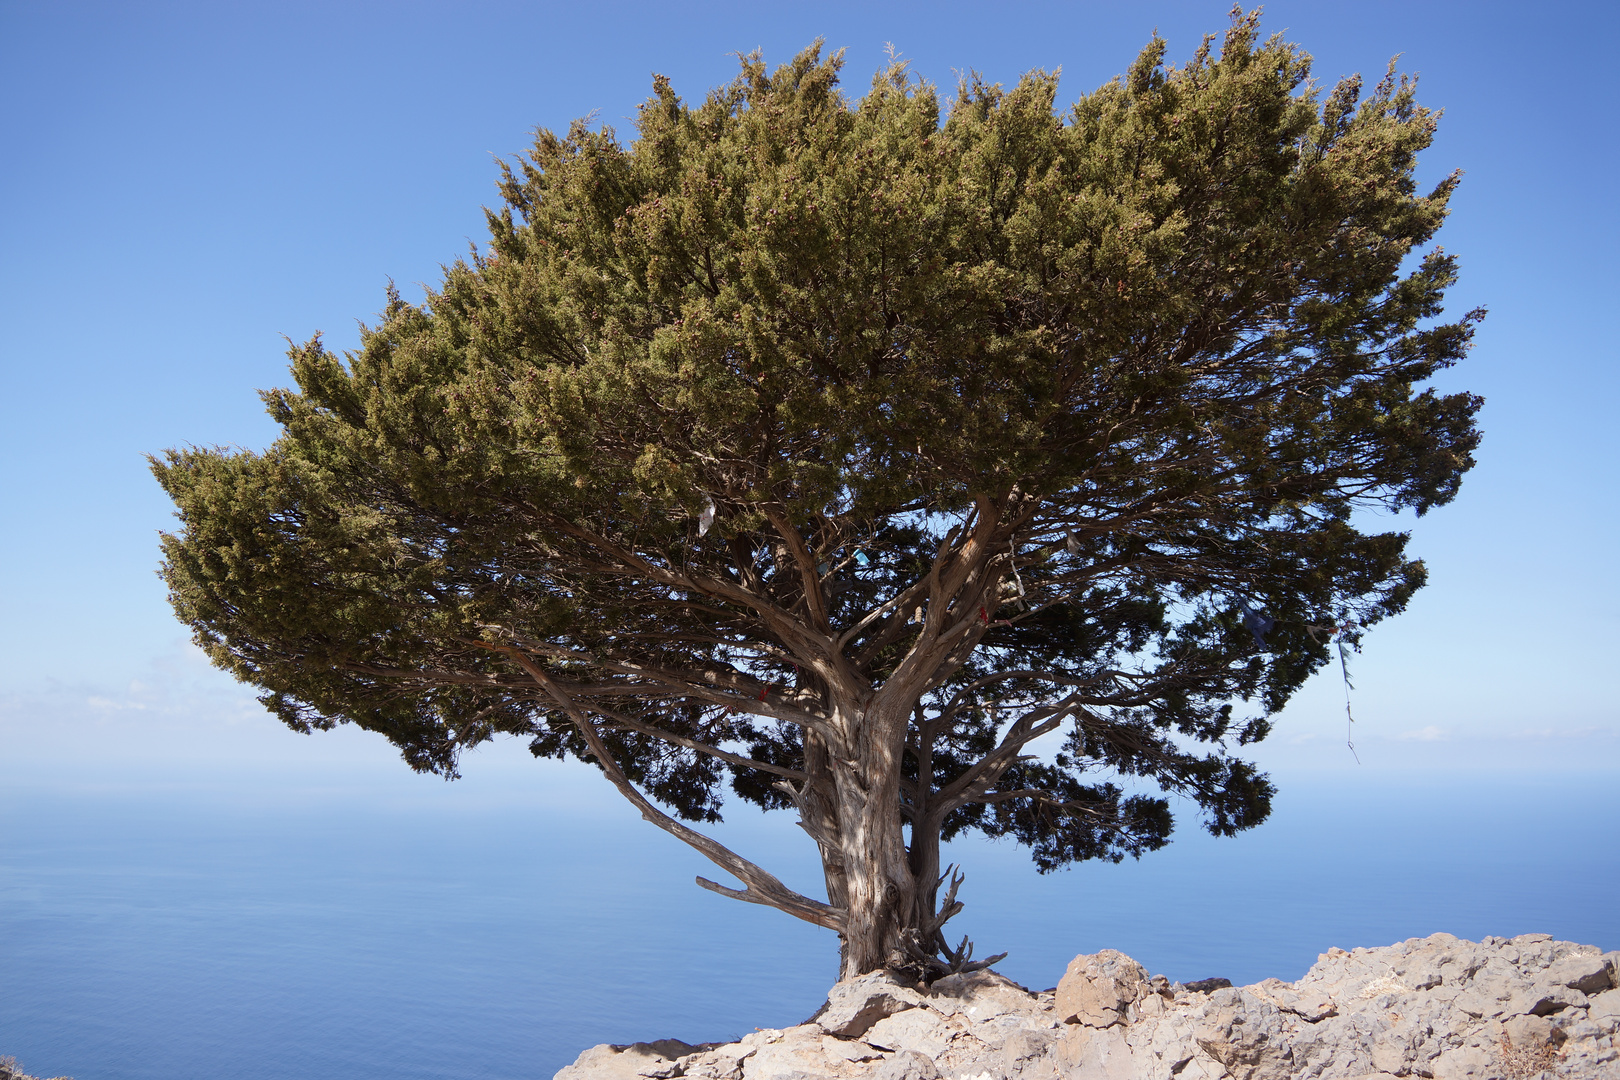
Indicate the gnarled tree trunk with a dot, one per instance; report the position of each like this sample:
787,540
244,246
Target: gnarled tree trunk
886,887
881,894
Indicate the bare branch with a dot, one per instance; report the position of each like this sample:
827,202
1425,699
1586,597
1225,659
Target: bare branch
762,887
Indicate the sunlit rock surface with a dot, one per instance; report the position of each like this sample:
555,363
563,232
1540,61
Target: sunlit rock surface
1441,1007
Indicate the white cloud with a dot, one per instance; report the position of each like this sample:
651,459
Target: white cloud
1427,734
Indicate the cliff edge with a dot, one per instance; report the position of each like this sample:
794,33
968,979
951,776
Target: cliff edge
1440,1007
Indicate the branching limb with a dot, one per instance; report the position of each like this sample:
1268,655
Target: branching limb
779,621
984,772
1030,674
762,887
804,562
630,723
809,822
717,687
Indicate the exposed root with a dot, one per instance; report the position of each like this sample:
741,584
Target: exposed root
925,956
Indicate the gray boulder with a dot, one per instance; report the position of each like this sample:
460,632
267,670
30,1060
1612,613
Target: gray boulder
1439,1008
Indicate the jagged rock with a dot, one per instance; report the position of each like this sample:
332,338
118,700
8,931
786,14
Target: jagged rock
855,1005
1435,1007
632,1062
10,1070
909,1065
1027,1055
1204,986
982,995
806,1051
922,1030
1605,1007
1097,990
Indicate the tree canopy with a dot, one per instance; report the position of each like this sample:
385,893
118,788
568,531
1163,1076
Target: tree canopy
832,452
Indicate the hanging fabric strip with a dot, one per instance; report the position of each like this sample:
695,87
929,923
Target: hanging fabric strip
1016,579
1258,623
1344,669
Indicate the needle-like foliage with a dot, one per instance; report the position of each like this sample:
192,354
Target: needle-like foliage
1005,420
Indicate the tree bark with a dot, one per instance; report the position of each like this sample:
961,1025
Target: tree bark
818,812
881,892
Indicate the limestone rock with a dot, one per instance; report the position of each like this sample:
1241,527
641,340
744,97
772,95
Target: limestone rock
1097,990
1604,1010
633,1062
1436,1007
986,995
922,1030
909,1065
806,1051
855,1005
1587,972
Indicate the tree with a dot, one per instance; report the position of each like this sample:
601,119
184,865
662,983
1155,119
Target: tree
839,451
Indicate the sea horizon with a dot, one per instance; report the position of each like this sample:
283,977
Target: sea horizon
357,924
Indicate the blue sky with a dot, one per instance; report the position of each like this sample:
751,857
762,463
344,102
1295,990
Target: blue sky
184,184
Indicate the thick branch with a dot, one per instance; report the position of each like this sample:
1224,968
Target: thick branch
632,724
984,772
762,887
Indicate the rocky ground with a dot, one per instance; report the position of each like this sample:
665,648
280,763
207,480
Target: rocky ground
10,1070
1500,1009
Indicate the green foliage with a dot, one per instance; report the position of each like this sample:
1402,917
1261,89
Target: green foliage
1142,360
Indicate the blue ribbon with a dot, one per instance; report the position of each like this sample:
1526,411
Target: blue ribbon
1259,624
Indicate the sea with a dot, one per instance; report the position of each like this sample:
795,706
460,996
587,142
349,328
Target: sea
347,930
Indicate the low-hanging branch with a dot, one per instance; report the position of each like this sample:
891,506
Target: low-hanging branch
761,887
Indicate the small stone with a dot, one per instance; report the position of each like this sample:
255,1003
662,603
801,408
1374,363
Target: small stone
1150,1005
908,1065
1527,1031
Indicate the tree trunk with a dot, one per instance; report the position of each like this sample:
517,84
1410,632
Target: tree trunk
880,889
925,872
878,910
818,810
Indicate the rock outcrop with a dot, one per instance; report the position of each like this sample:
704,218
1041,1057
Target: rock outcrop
1440,1007
10,1070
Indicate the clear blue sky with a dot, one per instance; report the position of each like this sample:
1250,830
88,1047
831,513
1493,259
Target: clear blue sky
184,184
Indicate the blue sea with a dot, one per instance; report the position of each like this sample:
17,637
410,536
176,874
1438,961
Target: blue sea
234,931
